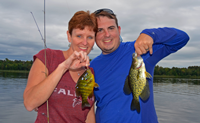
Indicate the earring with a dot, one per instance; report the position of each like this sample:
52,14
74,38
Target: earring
69,44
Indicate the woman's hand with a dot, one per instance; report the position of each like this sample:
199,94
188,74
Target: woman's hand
76,60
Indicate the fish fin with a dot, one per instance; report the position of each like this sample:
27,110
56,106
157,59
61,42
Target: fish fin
77,93
148,75
85,104
145,93
96,85
135,105
91,94
127,89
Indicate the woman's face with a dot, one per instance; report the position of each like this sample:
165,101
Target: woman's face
82,40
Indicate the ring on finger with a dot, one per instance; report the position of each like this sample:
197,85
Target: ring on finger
147,49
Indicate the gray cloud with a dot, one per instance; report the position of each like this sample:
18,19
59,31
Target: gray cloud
20,39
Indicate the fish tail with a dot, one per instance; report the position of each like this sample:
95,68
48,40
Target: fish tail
85,104
135,105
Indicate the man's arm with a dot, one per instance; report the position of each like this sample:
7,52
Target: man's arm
167,36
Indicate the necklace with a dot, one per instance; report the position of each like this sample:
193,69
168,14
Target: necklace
80,71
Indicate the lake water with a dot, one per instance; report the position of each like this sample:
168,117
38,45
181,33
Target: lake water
176,100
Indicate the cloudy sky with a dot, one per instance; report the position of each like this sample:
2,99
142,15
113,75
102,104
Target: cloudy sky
20,38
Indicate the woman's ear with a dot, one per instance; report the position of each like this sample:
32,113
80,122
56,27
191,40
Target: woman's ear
69,37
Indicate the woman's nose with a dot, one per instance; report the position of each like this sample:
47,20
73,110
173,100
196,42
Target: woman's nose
85,41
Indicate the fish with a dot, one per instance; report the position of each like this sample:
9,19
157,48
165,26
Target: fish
136,82
85,87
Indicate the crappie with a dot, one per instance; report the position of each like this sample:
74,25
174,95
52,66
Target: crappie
85,87
137,83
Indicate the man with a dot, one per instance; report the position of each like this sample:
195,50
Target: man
112,67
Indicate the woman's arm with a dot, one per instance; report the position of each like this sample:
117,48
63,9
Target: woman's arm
91,115
39,87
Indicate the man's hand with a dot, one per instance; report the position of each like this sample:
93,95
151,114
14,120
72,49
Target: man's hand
143,44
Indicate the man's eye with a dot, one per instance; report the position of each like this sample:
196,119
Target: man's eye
99,30
111,28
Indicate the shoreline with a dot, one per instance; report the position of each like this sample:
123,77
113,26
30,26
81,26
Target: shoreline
166,76
159,76
15,71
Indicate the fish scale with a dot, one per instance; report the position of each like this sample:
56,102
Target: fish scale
85,86
136,82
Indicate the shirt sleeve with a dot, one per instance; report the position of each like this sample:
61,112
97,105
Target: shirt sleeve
41,56
168,36
166,41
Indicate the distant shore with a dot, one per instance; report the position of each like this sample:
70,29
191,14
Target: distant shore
161,76
166,76
15,71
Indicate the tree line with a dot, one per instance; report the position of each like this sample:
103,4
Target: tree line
15,65
191,71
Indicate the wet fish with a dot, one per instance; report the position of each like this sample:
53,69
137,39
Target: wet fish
85,87
137,83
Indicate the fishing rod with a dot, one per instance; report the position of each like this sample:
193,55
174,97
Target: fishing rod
45,60
45,46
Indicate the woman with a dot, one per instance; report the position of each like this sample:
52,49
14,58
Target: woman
63,69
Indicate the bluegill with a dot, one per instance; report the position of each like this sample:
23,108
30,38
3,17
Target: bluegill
85,87
137,83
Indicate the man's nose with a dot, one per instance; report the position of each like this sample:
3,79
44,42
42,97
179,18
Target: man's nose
107,33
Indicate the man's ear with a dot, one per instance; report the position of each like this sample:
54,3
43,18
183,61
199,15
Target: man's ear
119,29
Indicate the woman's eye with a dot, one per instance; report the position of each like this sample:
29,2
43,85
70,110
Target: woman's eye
90,37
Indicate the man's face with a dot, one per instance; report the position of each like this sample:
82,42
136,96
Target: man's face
107,38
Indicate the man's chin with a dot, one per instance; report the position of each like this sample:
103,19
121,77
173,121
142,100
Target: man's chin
107,51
